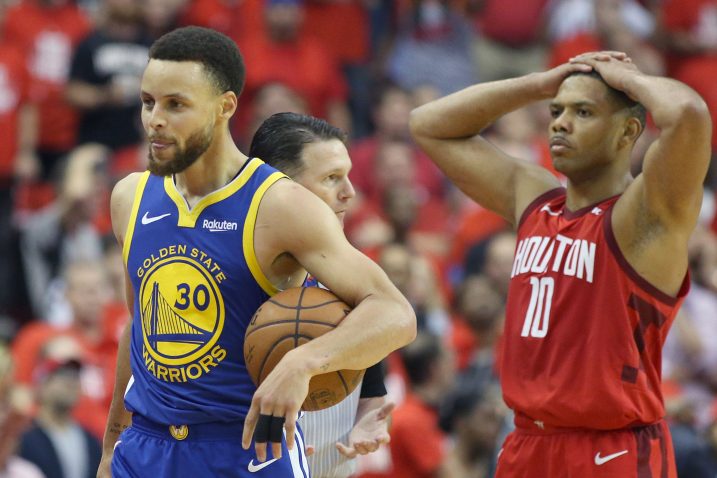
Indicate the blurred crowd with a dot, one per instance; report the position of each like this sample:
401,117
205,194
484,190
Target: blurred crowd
69,116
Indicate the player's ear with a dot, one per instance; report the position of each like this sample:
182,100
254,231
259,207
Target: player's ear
630,132
228,105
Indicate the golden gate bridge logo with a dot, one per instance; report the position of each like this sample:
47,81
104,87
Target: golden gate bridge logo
182,311
162,323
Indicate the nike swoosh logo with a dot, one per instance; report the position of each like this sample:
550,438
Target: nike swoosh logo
254,468
149,220
601,460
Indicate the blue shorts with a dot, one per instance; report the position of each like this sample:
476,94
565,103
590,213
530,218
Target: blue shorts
148,449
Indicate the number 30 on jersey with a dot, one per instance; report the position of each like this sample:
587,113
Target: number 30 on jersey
537,317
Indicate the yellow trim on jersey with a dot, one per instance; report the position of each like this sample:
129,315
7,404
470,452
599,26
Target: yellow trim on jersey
188,217
248,238
133,215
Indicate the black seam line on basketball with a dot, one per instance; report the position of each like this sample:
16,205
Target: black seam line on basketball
276,342
298,317
291,321
343,382
279,304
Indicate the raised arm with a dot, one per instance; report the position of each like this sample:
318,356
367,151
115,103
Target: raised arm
675,165
448,130
381,321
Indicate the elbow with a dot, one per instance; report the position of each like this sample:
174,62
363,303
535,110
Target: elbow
693,111
695,107
408,325
688,113
700,110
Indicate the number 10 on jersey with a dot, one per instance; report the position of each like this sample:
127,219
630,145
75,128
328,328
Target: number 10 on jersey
537,317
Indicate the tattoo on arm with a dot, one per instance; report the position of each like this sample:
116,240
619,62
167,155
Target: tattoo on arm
118,428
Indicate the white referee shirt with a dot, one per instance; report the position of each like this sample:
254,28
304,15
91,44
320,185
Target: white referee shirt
322,429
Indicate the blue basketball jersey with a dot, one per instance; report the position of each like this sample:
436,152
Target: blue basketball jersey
197,283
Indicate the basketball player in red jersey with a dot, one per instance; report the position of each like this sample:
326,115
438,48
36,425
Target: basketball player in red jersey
600,268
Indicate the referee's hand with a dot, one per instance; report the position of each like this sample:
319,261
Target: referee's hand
369,433
275,408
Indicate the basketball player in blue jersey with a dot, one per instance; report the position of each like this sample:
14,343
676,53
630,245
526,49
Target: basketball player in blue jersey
208,235
313,153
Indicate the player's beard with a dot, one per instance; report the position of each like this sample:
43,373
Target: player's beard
196,145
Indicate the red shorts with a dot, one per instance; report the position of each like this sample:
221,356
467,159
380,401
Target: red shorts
641,452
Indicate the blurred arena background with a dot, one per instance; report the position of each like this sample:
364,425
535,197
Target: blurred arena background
69,129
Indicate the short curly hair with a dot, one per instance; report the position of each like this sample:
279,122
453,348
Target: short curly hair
216,52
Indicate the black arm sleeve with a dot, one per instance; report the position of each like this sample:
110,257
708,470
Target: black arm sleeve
373,385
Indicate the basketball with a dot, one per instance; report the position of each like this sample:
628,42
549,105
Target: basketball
289,319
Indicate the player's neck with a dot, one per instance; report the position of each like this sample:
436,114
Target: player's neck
219,164
584,193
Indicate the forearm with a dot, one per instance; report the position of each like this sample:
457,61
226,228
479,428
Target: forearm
119,418
467,112
375,328
669,101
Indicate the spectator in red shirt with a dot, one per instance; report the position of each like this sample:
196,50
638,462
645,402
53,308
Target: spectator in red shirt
509,37
390,116
343,27
418,446
48,32
88,294
689,34
235,18
288,55
270,99
623,25
18,161
395,198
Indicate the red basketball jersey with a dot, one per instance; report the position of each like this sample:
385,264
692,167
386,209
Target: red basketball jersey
583,332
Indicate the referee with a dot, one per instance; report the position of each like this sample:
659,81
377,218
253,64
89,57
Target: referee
313,153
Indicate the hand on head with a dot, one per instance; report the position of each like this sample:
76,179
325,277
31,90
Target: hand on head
601,56
549,81
614,66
